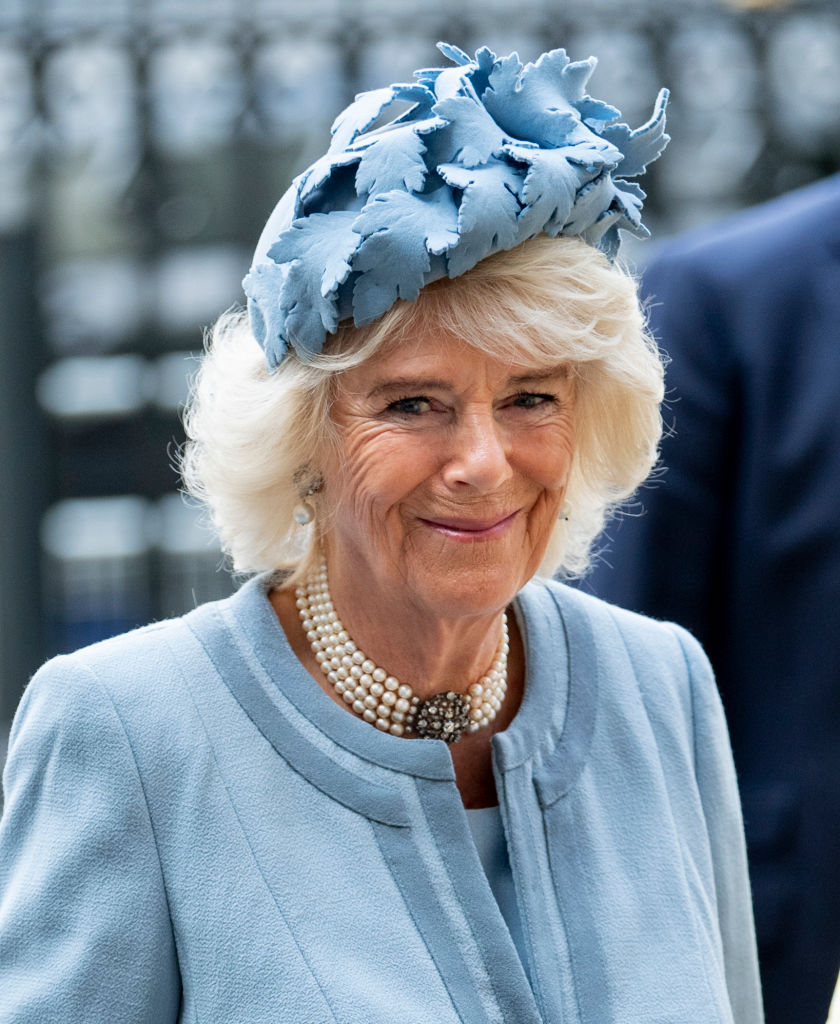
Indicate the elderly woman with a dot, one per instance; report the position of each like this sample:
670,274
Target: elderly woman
401,775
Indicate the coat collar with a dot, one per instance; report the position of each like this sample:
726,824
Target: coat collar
552,728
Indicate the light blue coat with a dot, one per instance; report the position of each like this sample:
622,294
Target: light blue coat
195,832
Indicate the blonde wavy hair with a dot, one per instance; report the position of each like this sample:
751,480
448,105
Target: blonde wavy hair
255,437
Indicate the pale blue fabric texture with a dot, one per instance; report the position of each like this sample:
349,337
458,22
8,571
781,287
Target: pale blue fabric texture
195,832
488,832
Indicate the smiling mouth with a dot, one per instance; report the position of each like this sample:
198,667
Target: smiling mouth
471,529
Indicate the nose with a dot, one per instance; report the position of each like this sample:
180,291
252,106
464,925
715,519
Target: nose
479,457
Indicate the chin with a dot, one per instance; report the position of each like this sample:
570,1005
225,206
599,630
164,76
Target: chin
463,590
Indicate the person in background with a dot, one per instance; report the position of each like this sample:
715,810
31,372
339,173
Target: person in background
739,540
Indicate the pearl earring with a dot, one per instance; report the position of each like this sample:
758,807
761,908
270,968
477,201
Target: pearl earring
303,513
564,514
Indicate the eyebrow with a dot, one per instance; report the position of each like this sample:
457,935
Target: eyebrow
415,385
561,370
412,384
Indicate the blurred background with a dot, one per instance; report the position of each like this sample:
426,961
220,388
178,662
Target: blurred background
143,144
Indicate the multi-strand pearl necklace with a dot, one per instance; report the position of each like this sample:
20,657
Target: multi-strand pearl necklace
382,699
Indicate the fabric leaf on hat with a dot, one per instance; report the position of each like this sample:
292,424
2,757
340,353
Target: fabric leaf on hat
471,136
553,179
640,146
369,106
605,227
317,250
477,71
392,161
540,101
319,174
264,283
623,199
400,230
629,197
487,212
454,53
591,202
594,113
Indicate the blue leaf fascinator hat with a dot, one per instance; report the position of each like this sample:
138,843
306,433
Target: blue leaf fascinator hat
489,153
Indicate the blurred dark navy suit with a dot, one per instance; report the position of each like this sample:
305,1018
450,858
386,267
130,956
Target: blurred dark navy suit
740,541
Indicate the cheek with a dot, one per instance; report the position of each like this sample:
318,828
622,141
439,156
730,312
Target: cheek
373,471
550,465
549,458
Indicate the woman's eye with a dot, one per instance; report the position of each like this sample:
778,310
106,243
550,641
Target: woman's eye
410,406
530,400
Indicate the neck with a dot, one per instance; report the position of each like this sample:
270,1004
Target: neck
431,653
380,697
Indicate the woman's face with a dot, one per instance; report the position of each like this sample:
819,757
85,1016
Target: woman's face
451,470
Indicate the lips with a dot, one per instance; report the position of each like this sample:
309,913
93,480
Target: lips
486,528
